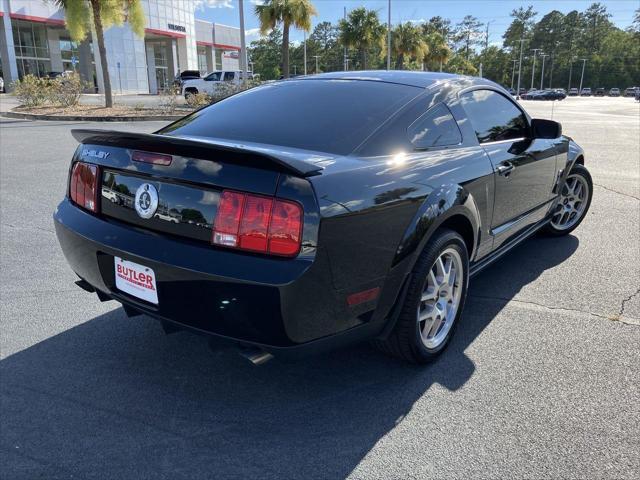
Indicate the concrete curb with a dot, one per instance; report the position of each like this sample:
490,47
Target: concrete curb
89,118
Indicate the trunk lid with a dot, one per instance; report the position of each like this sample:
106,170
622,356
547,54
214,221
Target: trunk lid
189,188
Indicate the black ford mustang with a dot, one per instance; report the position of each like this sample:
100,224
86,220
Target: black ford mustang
310,213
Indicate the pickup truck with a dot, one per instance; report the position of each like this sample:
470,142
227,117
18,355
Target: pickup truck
210,82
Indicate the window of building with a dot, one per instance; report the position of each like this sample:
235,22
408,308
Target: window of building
69,52
31,47
161,60
202,60
436,128
494,117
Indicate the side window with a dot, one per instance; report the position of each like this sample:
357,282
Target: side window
436,128
493,117
214,77
228,76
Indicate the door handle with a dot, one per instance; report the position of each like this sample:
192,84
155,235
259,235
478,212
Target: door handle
505,169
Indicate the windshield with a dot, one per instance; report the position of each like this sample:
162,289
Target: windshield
333,116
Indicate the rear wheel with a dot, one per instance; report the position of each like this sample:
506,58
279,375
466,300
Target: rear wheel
434,302
574,202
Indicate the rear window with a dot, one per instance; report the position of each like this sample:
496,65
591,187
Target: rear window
333,116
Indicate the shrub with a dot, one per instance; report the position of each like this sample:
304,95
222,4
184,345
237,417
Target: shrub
197,100
169,99
226,89
66,90
32,91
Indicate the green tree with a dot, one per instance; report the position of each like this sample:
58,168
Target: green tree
363,31
596,19
439,52
103,14
265,54
407,41
460,65
522,23
495,64
438,25
323,42
468,34
287,13
635,26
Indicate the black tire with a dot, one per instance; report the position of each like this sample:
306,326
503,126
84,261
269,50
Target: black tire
189,92
551,229
405,341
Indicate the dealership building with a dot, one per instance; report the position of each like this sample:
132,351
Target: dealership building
34,40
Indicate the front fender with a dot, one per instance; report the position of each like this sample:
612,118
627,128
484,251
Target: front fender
440,205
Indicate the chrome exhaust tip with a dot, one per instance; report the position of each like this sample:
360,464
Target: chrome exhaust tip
255,355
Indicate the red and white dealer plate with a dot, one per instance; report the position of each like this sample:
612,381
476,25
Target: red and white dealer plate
136,280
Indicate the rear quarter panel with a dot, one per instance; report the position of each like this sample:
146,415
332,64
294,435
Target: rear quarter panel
377,216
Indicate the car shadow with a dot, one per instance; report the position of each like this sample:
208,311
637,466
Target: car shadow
116,398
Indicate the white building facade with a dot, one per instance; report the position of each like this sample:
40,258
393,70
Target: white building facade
33,40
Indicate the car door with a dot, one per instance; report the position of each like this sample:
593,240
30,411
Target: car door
524,168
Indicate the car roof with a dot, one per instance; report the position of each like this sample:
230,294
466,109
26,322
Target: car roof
404,77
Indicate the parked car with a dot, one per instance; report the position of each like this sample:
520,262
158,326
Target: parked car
573,92
614,92
209,83
184,76
512,91
522,91
586,92
1,85
600,92
315,213
530,95
630,92
556,94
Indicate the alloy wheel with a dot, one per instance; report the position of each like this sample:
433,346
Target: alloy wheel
440,299
572,203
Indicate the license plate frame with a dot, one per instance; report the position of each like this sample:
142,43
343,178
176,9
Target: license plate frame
136,280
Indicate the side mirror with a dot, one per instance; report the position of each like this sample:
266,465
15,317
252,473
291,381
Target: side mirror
545,128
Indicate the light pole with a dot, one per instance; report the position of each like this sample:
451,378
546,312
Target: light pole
305,52
389,36
520,68
513,71
346,62
544,56
584,61
243,45
570,72
316,57
533,69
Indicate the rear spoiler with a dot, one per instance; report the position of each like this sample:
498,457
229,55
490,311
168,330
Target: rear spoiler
198,148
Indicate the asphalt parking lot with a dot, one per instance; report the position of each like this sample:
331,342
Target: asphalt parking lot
542,379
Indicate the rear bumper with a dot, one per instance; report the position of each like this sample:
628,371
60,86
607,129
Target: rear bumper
280,305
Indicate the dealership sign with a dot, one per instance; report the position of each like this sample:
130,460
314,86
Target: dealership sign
176,28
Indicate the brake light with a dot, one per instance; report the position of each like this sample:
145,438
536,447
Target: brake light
258,224
83,187
153,158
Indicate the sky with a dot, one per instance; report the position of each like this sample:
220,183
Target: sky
496,12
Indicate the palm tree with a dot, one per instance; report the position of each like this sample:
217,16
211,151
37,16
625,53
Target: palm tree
286,12
362,30
103,13
407,41
439,51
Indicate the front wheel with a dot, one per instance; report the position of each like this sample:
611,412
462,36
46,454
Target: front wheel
434,301
573,204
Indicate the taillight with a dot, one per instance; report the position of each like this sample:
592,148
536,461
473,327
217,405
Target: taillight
83,187
258,224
